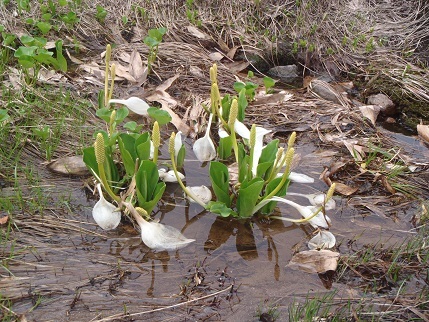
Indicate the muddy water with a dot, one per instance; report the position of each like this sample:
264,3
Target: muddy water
85,274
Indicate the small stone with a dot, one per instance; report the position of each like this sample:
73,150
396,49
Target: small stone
390,120
385,103
287,74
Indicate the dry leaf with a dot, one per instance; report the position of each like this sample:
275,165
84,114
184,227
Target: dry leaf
345,189
357,151
194,31
423,131
370,112
73,165
122,71
237,66
223,46
216,56
4,219
232,51
136,68
315,261
161,96
196,71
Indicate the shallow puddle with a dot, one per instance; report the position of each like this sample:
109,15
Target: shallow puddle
85,274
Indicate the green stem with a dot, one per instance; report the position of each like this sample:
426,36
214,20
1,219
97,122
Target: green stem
106,184
186,190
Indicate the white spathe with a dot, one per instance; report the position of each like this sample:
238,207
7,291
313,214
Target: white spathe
105,214
320,220
204,148
259,145
135,104
161,237
298,177
177,143
201,192
169,176
241,130
323,239
316,199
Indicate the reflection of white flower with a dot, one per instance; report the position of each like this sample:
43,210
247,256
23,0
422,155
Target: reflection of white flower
201,192
169,176
323,239
135,104
204,148
105,214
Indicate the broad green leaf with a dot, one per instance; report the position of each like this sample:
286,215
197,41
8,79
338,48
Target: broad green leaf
226,105
27,62
147,178
269,207
242,104
181,157
157,195
220,208
151,42
129,144
23,51
3,115
268,82
44,27
238,86
219,177
89,159
269,152
121,114
142,146
163,117
61,61
224,149
27,40
248,196
104,113
127,158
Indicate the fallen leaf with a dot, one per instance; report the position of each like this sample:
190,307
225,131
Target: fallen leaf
216,56
315,261
222,45
232,51
122,71
423,131
370,112
73,165
345,189
194,31
4,219
136,68
356,151
237,66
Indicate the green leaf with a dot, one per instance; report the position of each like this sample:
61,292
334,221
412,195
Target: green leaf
163,117
219,177
268,82
126,154
104,113
147,178
90,160
226,105
27,40
220,208
242,104
44,27
121,114
23,52
181,157
269,207
46,16
142,146
129,144
268,156
61,61
238,86
151,42
248,196
26,62
157,195
3,115
224,150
